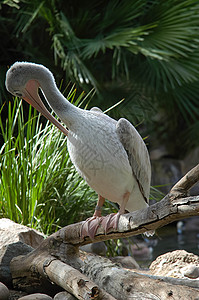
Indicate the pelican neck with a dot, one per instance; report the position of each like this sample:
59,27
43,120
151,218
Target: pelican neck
65,110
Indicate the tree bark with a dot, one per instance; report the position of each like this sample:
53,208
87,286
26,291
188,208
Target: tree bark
126,284
59,255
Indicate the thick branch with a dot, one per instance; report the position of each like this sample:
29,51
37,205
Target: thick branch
181,188
157,215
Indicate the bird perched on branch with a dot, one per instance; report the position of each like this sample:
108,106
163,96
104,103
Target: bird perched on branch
110,155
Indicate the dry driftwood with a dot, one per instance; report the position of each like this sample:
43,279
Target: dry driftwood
33,272
93,277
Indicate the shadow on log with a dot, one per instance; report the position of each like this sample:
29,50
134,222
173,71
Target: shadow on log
86,276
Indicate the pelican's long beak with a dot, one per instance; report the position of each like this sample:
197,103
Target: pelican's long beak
30,95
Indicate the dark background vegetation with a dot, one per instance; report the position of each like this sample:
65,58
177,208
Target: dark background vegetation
144,51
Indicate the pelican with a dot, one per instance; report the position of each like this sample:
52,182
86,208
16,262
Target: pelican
110,155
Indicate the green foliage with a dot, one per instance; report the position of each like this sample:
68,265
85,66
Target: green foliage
39,186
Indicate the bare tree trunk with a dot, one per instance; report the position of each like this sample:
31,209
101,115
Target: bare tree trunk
86,276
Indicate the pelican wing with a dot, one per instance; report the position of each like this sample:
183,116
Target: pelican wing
137,154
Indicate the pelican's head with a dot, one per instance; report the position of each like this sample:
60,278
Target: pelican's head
23,79
20,73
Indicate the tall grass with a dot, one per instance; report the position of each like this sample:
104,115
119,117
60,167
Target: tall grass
39,186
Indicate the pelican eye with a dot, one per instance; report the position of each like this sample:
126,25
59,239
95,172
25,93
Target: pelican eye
18,94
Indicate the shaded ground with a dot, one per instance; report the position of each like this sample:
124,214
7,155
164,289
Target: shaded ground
14,295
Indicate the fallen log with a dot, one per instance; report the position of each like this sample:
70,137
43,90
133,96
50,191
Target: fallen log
98,274
62,249
126,284
46,268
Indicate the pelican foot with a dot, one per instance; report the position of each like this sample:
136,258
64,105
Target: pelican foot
90,226
110,221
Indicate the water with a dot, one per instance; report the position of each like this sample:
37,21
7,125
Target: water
168,239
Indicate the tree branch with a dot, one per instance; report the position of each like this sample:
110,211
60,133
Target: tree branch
182,187
169,209
157,215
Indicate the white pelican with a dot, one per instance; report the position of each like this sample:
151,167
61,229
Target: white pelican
110,155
